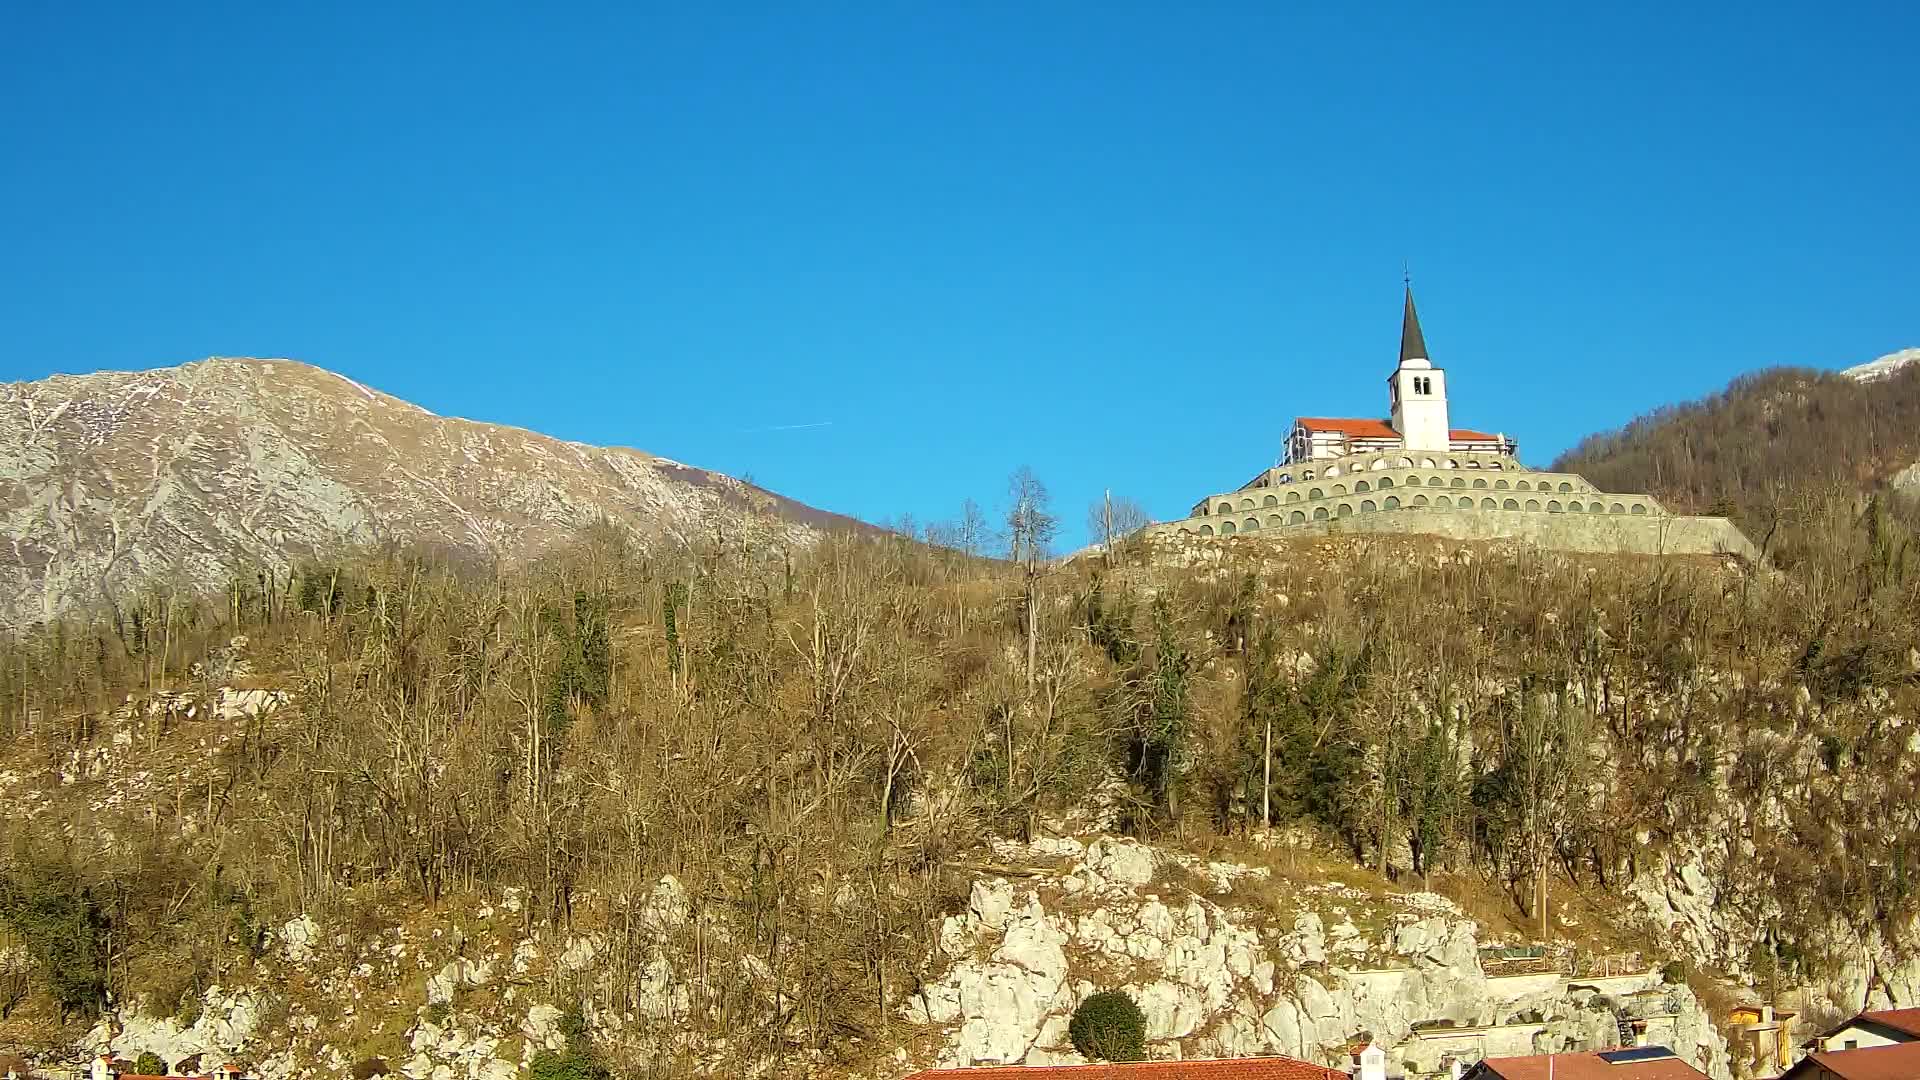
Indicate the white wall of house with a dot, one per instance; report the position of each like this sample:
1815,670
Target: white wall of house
1373,1064
1862,1036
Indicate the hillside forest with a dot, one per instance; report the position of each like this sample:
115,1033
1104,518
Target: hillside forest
1766,451
818,741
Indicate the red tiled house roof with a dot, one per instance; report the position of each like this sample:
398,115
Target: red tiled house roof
1901,1022
1901,1061
1583,1066
1906,1021
1271,1068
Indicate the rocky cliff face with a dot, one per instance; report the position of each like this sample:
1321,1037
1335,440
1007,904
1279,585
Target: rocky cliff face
1298,968
1295,968
188,476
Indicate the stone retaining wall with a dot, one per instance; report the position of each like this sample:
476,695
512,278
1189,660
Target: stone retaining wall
1650,534
1466,497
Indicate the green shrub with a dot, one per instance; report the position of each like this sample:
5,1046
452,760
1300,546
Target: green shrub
1109,1027
1674,973
548,1065
149,1064
572,1025
578,1062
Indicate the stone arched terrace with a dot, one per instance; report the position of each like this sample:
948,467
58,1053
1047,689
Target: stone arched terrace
1320,491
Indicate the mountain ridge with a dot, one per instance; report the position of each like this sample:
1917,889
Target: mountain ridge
112,482
1772,439
1882,367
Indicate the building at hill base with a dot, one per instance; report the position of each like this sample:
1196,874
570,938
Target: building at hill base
1415,473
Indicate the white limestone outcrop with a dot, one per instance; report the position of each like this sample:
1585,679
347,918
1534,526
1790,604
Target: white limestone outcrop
1222,978
297,938
225,1028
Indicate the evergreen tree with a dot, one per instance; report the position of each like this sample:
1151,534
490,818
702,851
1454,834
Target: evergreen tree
63,929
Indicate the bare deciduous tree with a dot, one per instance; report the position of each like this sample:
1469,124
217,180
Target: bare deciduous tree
1112,520
1030,529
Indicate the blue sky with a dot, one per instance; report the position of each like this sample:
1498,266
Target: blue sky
1123,243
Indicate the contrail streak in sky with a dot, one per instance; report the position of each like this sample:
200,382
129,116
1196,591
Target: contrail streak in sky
786,427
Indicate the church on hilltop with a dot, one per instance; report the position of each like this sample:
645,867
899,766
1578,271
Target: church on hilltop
1414,472
1417,414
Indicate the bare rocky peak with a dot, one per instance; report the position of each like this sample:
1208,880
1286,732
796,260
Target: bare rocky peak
188,475
1874,370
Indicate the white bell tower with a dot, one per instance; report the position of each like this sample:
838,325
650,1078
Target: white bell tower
1418,390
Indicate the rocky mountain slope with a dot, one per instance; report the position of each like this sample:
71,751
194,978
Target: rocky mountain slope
1874,370
192,475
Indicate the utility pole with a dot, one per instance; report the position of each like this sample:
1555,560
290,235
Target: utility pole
1266,779
1033,615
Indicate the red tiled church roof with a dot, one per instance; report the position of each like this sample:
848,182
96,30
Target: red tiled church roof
1354,427
1270,1068
1361,428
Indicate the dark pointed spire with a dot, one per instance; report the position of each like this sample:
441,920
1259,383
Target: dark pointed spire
1413,346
